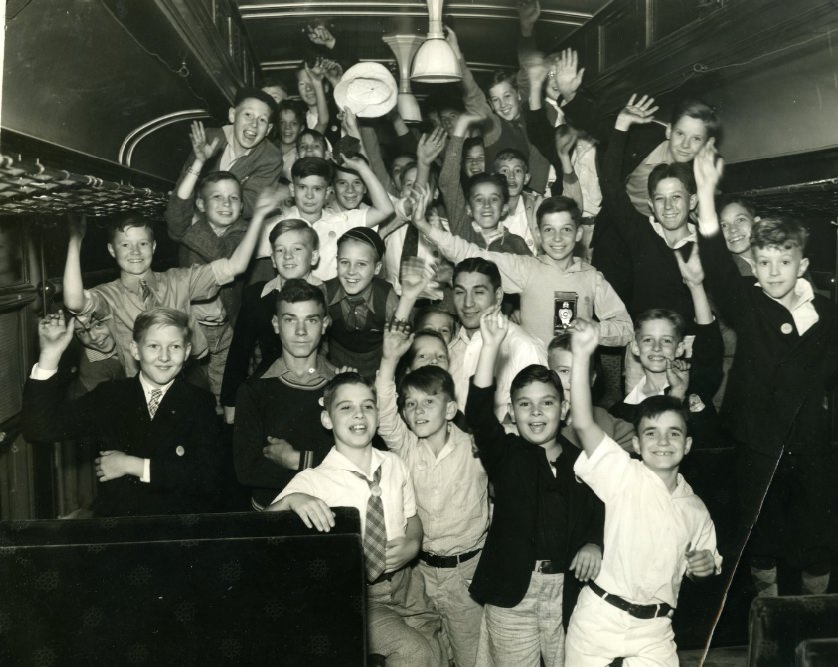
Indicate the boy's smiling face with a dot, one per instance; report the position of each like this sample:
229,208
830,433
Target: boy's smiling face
559,235
777,270
161,353
289,127
656,343
310,194
443,323
221,202
429,351
352,416
516,173
349,189
293,255
736,222
686,137
672,203
251,123
662,441
474,160
95,335
537,410
427,414
505,100
133,248
310,146
486,205
358,264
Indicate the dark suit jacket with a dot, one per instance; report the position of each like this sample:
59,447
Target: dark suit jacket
507,561
256,170
779,378
182,441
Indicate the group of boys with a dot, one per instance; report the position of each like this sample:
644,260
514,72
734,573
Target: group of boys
405,357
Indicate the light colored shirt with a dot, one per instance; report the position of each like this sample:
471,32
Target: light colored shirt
329,229
228,158
335,483
638,394
536,278
275,284
518,223
802,311
451,488
648,529
517,351
637,183
264,249
691,236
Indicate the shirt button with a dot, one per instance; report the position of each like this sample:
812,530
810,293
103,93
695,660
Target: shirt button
786,328
179,450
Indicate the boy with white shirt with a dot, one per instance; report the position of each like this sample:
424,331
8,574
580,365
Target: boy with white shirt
401,625
656,528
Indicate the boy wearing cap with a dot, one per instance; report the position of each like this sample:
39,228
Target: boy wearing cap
358,302
242,147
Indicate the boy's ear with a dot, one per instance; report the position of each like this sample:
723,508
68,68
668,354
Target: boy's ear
134,349
635,350
565,409
527,178
635,444
188,350
510,412
693,202
275,321
326,420
450,410
579,232
504,211
273,261
668,131
315,257
680,349
688,443
291,188
231,115
111,250
804,265
199,204
469,211
377,268
327,321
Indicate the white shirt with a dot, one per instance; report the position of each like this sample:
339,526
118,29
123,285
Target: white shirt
329,229
518,350
334,481
648,530
517,223
803,312
227,157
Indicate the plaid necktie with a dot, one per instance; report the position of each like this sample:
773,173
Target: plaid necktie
154,402
145,290
375,535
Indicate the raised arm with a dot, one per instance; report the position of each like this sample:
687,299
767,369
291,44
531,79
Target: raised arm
428,150
449,177
391,428
268,200
180,208
584,341
73,286
317,73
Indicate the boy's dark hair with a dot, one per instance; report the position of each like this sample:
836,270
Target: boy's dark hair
508,154
726,200
655,406
479,265
298,290
471,142
366,236
503,76
779,232
294,225
683,171
442,102
427,311
535,373
318,137
338,166
428,379
495,179
560,342
126,222
700,111
559,204
217,177
661,314
166,317
407,360
340,380
275,82
312,166
255,94
294,107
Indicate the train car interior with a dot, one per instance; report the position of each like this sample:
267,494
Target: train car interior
98,98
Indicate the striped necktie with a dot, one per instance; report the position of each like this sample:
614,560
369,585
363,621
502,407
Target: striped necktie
375,534
154,402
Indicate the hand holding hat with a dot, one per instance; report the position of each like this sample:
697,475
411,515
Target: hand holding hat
368,89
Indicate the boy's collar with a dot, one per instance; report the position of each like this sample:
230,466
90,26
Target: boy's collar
803,294
691,236
319,372
148,387
364,294
275,284
636,396
335,460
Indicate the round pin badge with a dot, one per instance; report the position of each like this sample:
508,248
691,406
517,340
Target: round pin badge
786,328
179,450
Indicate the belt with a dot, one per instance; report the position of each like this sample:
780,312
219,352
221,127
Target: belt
547,567
387,576
644,611
447,561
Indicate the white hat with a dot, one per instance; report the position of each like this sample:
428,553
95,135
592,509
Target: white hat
368,89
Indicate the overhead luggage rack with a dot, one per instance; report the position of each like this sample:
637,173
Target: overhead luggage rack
27,186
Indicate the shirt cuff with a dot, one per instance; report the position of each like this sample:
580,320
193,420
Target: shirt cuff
223,271
146,478
39,373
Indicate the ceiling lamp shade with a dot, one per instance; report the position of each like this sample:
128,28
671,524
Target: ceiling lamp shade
435,62
404,47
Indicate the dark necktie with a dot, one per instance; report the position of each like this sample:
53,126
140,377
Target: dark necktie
375,533
145,290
